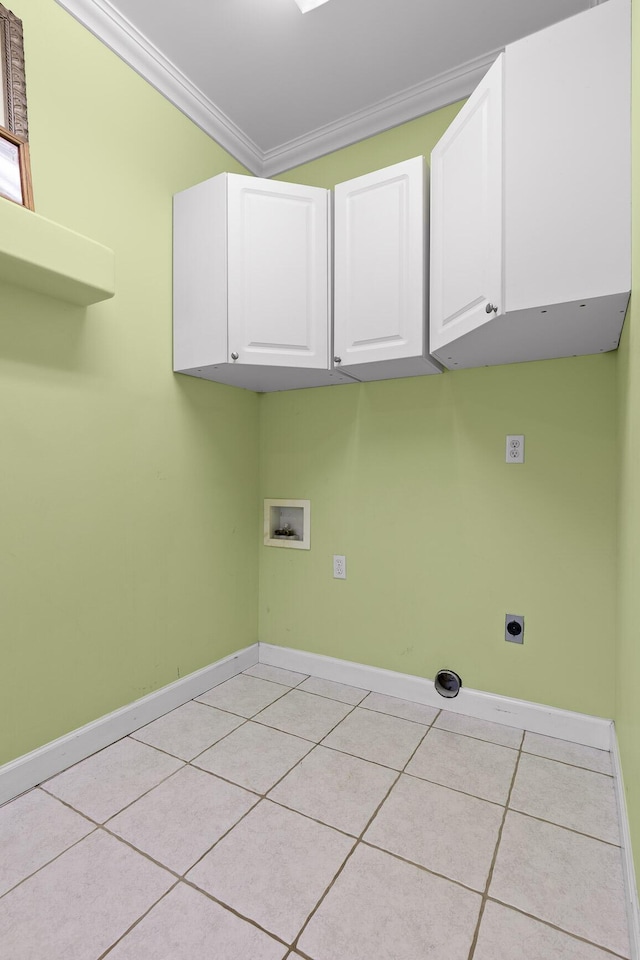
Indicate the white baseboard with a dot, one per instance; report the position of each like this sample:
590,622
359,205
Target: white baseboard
54,757
35,767
551,721
628,867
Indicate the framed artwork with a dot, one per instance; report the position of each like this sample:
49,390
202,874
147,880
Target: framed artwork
15,170
13,89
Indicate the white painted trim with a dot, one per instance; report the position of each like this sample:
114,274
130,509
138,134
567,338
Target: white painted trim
551,721
106,23
425,97
114,30
35,767
628,866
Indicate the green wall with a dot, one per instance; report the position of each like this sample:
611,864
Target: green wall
129,495
407,478
628,648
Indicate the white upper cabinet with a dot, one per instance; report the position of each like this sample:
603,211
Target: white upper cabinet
380,267
535,221
251,283
466,216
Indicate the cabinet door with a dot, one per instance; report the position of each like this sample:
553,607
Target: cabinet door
466,217
380,262
568,161
278,273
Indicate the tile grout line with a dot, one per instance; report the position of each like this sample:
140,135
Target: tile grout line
131,802
265,795
322,696
359,839
539,756
565,763
182,878
294,944
553,926
266,707
561,826
136,922
214,744
368,693
234,911
260,797
245,673
494,859
98,825
53,859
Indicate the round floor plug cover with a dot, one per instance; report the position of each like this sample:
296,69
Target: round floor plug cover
447,683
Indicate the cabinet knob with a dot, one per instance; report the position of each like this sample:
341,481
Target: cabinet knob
490,308
234,356
337,359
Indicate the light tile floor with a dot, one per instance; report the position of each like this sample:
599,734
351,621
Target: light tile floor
280,816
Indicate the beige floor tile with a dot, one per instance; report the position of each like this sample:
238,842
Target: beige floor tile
340,790
177,822
34,829
445,831
569,880
254,756
404,709
333,690
572,797
382,908
186,925
575,753
104,783
304,715
501,928
80,904
473,766
273,867
189,730
378,737
481,729
288,678
243,695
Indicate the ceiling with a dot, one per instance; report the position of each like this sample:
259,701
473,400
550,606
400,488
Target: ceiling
276,87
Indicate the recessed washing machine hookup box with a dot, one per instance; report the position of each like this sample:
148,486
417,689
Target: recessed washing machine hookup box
287,523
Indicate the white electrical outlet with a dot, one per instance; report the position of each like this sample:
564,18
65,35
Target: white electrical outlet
515,449
339,567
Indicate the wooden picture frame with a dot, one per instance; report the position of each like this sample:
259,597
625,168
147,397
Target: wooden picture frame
13,88
15,169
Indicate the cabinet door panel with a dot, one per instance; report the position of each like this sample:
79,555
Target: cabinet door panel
380,265
567,140
466,216
278,273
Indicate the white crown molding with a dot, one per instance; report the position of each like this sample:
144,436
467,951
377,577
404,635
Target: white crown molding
432,94
102,19
536,717
628,866
54,757
106,23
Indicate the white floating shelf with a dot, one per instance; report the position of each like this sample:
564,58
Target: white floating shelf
43,256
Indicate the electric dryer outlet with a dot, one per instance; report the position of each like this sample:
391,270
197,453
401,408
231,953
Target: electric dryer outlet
514,628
